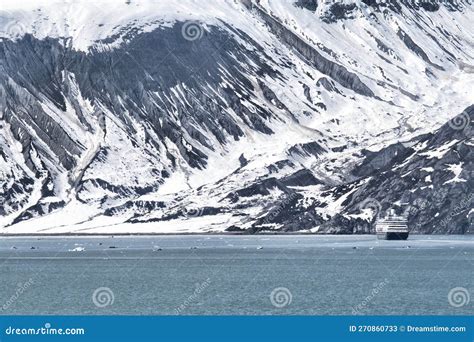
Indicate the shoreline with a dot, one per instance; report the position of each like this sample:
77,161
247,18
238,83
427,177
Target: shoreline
159,234
39,235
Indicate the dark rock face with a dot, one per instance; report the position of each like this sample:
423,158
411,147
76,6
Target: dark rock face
427,5
167,93
327,84
417,178
310,5
288,214
339,11
21,88
348,10
381,160
190,66
415,48
393,5
262,187
160,105
432,184
337,72
309,149
431,6
342,225
302,177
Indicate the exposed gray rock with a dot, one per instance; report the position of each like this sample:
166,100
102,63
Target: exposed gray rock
415,48
310,5
337,72
169,106
421,182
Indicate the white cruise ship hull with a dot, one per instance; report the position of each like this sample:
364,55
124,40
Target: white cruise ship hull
393,228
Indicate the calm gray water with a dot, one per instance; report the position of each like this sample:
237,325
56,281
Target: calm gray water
236,275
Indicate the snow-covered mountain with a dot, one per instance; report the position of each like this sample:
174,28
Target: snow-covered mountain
190,116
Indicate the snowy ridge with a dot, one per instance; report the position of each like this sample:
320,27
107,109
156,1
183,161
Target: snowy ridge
261,120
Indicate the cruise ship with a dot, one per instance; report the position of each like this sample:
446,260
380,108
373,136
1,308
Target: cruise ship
392,226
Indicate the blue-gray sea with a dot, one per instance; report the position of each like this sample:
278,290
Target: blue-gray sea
237,275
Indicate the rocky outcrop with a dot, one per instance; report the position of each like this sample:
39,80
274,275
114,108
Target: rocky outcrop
337,72
251,125
431,181
310,5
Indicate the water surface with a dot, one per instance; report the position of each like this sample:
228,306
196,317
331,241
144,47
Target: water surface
235,275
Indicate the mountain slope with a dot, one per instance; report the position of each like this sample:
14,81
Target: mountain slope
429,178
160,117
